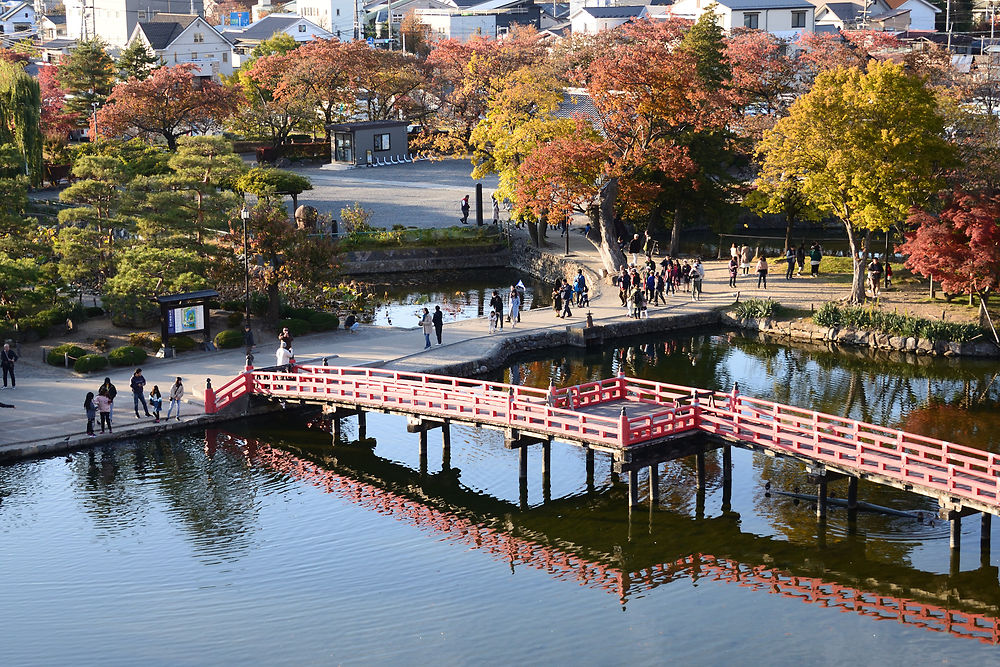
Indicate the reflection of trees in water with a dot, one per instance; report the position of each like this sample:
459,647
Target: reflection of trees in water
17,481
212,497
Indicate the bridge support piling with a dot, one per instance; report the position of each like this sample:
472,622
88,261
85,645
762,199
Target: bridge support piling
547,471
522,476
727,478
654,485
985,528
700,462
445,446
852,504
590,470
955,538
821,500
335,429
633,487
362,425
423,452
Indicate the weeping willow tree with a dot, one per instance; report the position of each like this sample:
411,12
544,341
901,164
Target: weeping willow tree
20,114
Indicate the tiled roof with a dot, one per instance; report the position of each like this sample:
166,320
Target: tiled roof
160,34
625,12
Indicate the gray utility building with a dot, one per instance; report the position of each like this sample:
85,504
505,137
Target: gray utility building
368,142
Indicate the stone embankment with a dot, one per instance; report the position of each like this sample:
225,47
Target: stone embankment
804,329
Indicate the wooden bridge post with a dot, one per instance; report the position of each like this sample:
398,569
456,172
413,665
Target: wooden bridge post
362,425
985,528
522,476
821,499
547,471
335,429
423,451
654,485
852,493
727,478
700,464
210,407
445,446
633,487
590,470
955,537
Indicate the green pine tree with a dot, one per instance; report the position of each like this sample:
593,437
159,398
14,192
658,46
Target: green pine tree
137,61
88,74
706,41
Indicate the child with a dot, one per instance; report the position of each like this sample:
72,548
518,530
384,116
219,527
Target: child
155,402
104,408
91,409
584,297
493,321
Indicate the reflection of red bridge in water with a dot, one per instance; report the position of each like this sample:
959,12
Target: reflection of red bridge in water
566,566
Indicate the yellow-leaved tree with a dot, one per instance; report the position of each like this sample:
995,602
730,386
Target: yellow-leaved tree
865,146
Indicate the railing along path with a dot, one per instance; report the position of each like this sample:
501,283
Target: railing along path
659,411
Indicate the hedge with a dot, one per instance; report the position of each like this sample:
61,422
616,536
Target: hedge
127,355
856,317
93,311
56,356
296,327
323,321
228,339
90,362
181,343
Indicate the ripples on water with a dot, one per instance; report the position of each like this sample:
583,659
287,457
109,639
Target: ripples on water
269,546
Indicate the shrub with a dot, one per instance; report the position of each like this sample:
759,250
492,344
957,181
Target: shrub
905,326
296,327
90,362
93,311
101,344
145,339
181,343
323,321
229,339
234,320
828,315
127,355
757,308
56,355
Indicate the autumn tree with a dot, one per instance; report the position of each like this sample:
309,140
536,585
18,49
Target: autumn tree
87,74
263,111
56,122
763,76
137,61
320,73
848,48
864,146
170,103
415,34
960,246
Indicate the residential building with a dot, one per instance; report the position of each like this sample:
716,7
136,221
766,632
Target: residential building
54,50
185,38
338,17
52,26
115,20
886,15
18,17
786,19
245,39
922,14
493,18
592,20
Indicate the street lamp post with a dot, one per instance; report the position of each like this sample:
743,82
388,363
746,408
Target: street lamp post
245,215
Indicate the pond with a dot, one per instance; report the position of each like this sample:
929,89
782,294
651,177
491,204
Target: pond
462,295
263,543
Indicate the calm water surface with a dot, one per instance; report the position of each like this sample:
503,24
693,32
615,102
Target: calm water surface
262,544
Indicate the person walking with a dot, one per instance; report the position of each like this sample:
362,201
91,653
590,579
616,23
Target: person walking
496,303
103,403
90,408
496,210
734,266
800,257
465,210
762,272
437,319
734,253
790,260
815,255
745,259
567,299
175,396
515,307
661,285
557,298
493,320
875,276
427,325
697,279
579,286
111,392
7,359
138,384
156,402
634,248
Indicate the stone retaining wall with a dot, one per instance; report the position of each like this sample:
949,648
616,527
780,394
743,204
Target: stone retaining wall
409,260
805,330
550,267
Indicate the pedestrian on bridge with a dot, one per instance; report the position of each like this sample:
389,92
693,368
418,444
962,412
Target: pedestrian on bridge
282,355
427,324
438,320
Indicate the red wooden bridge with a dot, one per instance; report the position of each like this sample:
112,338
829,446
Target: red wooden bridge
642,423
565,565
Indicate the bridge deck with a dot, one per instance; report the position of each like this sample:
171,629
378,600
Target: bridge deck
591,415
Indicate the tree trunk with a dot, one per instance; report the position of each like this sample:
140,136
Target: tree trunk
273,302
789,223
542,226
533,232
858,266
675,233
611,254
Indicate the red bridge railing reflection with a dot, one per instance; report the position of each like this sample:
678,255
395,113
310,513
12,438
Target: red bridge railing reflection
571,567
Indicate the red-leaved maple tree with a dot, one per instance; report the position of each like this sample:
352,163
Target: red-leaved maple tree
960,246
56,123
172,102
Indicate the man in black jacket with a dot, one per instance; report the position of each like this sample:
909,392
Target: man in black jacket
496,303
7,359
438,320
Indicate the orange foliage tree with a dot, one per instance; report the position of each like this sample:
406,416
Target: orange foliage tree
172,102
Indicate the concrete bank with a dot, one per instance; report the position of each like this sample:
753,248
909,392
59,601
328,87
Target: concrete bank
414,260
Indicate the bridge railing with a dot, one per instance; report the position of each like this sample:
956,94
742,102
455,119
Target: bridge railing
953,469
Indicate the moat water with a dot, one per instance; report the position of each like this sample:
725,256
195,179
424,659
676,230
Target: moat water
263,544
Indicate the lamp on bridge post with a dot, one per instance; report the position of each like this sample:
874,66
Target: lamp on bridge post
245,216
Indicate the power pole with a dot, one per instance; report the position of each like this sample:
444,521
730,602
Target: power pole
947,24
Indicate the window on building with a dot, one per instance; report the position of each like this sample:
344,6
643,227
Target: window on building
225,57
382,142
194,55
751,20
199,38
142,15
338,12
798,19
302,28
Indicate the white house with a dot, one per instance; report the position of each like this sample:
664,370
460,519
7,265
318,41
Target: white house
335,16
785,19
184,38
245,39
115,20
52,26
18,17
592,20
880,15
455,24
923,14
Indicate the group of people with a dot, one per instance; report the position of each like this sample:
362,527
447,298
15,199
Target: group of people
743,258
432,324
641,287
567,294
102,405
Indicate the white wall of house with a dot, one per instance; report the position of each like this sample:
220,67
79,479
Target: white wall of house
583,23
922,14
114,20
446,25
23,19
337,16
202,46
782,22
